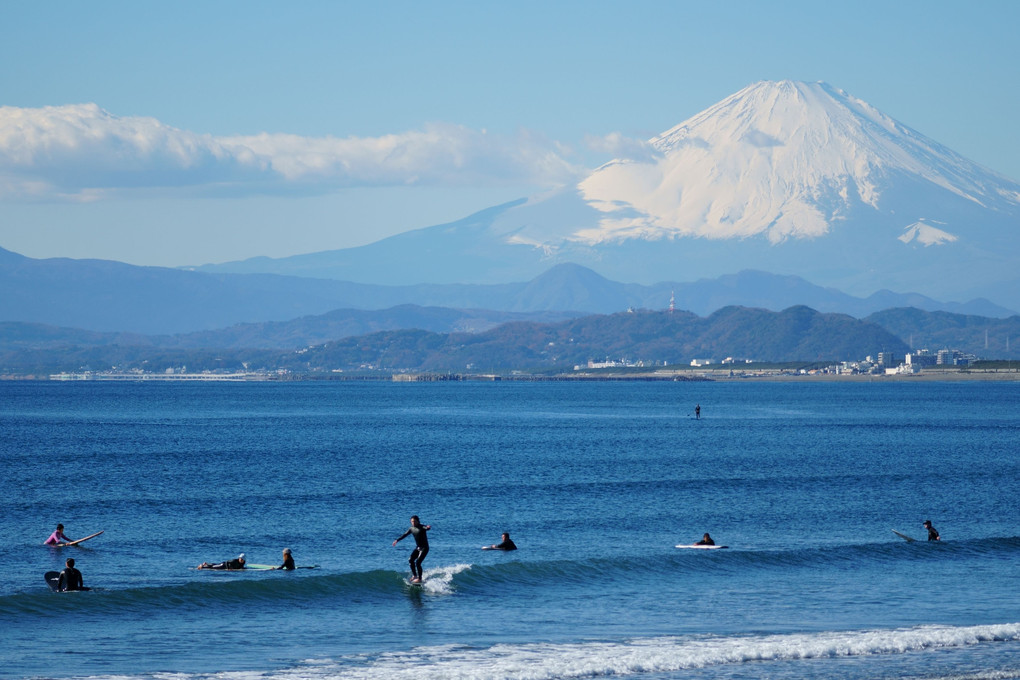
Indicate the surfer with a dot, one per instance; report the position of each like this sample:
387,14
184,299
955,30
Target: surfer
504,544
288,561
697,412
228,565
705,540
57,537
70,578
421,546
933,535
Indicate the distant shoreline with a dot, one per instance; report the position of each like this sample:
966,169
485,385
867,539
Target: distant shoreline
926,376
680,375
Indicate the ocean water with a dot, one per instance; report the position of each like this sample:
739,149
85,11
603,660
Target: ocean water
596,482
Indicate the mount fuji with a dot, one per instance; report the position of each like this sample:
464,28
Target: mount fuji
788,177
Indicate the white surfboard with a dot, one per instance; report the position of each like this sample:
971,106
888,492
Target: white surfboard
906,538
702,547
80,540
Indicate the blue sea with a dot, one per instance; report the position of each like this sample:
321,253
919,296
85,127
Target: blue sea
595,481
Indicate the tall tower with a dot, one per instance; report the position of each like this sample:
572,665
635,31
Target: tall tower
672,301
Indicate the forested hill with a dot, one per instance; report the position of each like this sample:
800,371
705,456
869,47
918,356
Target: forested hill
795,334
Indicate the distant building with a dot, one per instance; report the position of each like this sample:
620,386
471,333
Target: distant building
921,359
887,360
954,357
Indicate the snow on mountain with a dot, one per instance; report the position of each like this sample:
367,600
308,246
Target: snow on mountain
787,177
926,235
778,159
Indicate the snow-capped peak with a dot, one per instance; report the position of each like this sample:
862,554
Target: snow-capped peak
926,234
782,159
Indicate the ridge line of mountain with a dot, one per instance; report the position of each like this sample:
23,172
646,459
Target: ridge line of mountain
100,295
798,333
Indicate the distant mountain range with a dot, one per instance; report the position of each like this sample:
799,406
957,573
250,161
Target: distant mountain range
791,177
104,296
293,334
795,334
348,340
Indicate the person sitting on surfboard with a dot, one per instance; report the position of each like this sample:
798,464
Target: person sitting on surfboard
705,540
288,561
932,534
70,578
57,536
504,544
228,565
421,546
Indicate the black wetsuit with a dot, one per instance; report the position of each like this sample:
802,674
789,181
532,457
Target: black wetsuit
288,563
705,541
932,534
421,548
229,564
506,545
70,579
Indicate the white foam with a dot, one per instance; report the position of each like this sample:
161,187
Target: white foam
547,661
439,580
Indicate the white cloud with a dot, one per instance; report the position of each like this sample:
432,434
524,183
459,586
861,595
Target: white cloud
623,148
83,152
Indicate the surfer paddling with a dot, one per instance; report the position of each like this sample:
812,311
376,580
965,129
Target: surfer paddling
421,546
504,544
933,535
229,565
705,540
288,561
57,537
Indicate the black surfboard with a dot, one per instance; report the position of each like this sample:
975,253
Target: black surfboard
53,581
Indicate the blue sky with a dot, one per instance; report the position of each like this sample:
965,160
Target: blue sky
192,132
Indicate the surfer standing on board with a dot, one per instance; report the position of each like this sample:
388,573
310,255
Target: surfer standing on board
933,535
697,412
57,536
421,546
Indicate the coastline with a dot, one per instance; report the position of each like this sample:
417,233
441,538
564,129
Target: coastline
925,376
678,375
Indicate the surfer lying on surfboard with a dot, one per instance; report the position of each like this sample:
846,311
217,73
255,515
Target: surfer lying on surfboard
706,543
504,544
288,561
228,565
